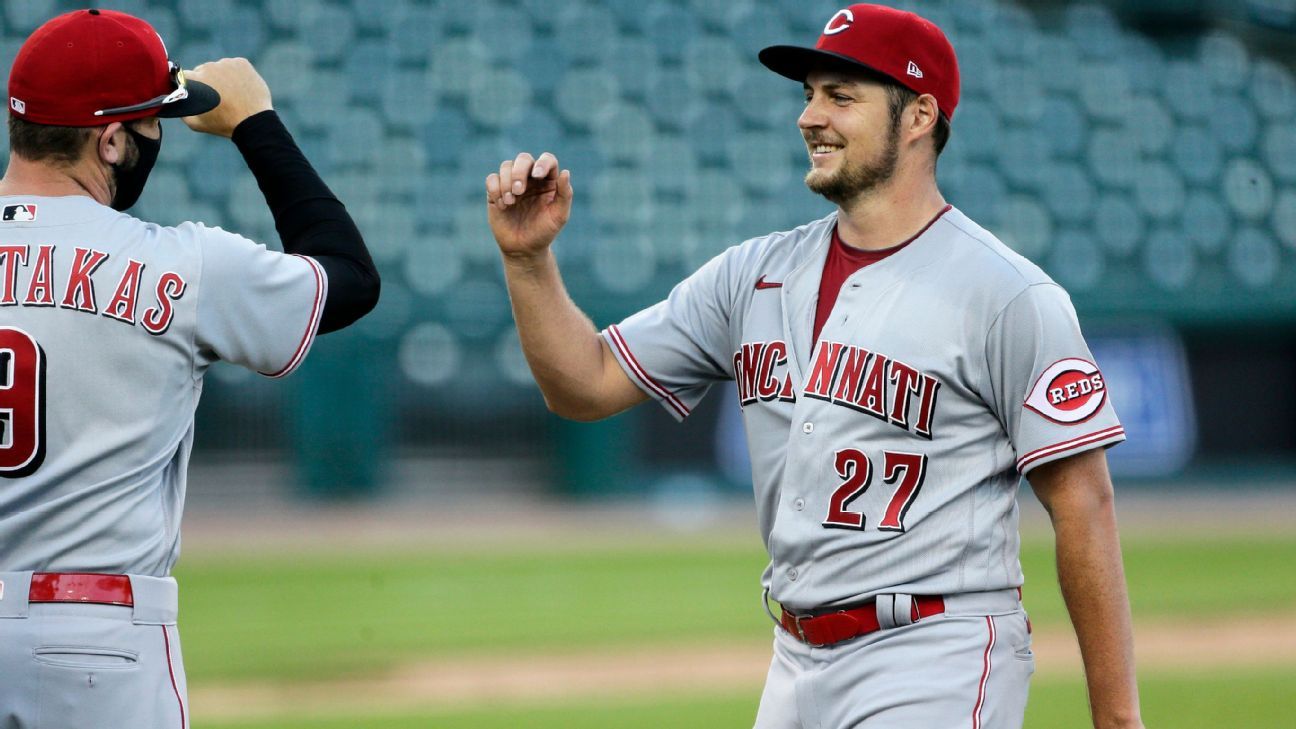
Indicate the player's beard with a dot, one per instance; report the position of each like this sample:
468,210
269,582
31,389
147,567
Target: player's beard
854,179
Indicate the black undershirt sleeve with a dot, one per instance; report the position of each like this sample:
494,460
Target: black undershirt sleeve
310,219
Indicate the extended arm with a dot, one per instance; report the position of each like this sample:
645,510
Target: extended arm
1077,492
310,219
528,203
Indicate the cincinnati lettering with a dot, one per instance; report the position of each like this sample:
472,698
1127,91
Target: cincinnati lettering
874,384
77,291
853,377
761,372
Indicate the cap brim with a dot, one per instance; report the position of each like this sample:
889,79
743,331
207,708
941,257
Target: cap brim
202,98
796,62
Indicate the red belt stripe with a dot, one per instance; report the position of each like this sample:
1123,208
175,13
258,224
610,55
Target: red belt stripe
81,587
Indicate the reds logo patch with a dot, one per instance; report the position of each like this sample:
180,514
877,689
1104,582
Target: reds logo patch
1068,392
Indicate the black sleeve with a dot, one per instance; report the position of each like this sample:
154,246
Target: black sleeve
310,219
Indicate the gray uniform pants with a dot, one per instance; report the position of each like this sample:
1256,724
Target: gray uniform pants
968,668
85,666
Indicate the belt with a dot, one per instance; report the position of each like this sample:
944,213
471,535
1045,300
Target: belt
830,628
81,587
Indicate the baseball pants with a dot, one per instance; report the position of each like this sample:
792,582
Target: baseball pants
68,665
968,668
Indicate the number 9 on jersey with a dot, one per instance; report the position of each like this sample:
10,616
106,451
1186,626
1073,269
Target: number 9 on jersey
22,403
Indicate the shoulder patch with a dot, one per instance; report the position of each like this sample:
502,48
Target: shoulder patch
1070,391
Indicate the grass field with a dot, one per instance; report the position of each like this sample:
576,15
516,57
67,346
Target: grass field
1256,701
297,618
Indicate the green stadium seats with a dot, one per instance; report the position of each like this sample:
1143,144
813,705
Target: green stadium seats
1118,160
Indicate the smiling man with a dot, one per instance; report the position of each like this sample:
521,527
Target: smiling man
899,370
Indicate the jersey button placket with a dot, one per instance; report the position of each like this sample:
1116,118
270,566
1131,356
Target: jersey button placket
807,428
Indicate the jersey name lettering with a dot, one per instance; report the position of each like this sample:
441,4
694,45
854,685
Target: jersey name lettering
843,374
757,370
80,293
79,287
874,384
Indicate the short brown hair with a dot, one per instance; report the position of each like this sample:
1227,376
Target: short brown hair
43,142
900,98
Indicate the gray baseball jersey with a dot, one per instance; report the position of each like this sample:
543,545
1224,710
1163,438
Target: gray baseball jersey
107,324
886,455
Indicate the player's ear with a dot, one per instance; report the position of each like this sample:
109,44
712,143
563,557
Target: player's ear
922,115
110,145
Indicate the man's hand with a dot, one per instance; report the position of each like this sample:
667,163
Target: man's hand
242,90
527,203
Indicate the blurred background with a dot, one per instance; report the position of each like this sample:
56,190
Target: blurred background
1143,152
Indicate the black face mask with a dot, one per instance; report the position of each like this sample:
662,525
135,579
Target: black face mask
130,182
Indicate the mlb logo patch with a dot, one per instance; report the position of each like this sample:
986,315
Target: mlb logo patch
19,213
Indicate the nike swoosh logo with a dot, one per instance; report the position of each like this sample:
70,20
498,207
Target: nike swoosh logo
761,283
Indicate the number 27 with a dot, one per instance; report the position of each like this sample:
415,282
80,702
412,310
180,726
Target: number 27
905,470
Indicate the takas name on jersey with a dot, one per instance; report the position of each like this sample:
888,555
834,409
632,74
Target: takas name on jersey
843,374
78,291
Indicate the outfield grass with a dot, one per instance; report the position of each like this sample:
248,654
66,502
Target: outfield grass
257,619
1184,576
303,617
708,713
1255,700
298,617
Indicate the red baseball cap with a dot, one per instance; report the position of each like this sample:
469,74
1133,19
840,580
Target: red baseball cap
92,67
901,46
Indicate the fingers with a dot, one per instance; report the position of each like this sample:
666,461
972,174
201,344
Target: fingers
565,190
506,177
521,168
199,72
525,176
545,166
243,93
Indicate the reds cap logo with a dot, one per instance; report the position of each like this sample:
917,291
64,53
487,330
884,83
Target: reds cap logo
1068,392
839,22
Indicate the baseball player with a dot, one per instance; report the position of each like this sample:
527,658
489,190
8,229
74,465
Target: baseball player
107,325
899,369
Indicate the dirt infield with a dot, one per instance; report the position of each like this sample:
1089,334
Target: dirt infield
700,669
